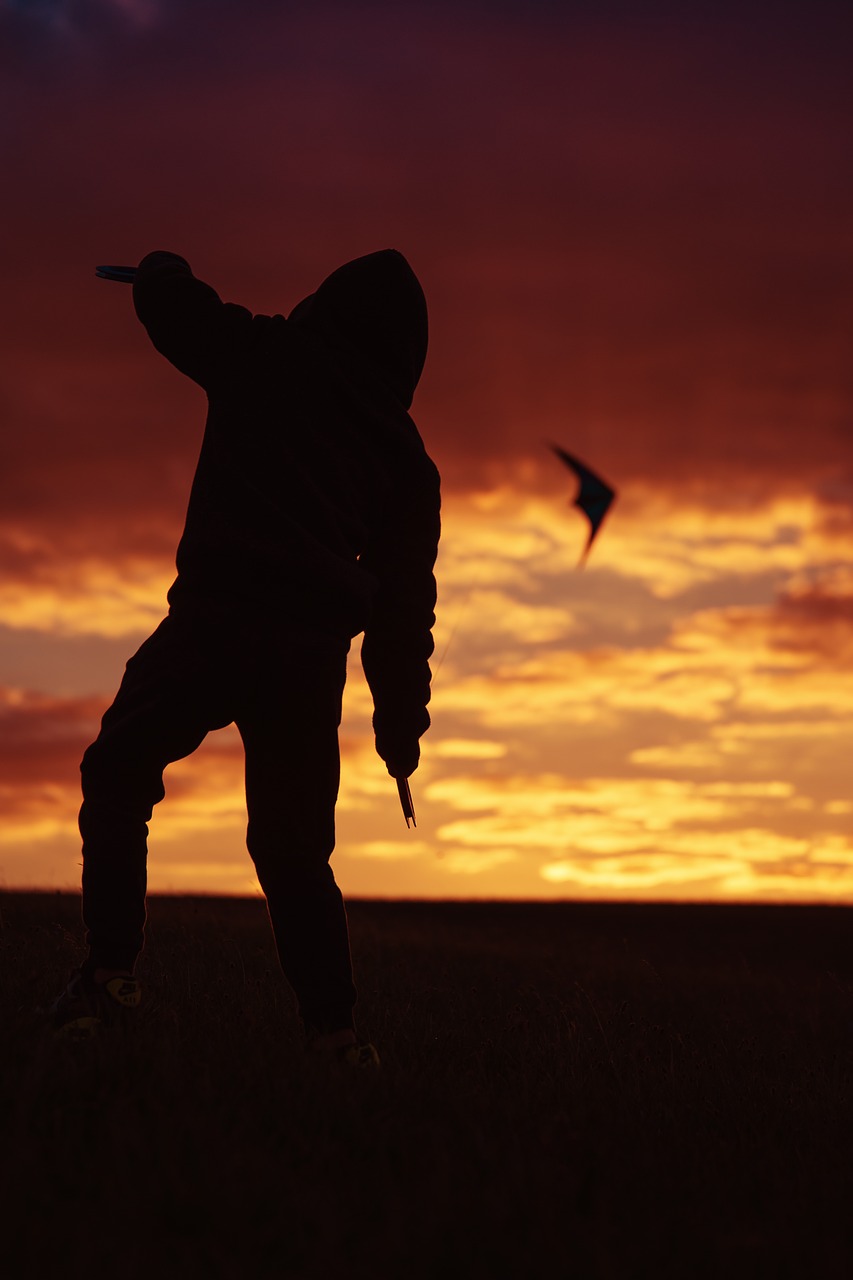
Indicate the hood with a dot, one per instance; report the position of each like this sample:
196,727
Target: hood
375,306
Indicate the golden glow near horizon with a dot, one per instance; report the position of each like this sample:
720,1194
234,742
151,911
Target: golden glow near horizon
605,733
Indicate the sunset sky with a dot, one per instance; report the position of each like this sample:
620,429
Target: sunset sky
634,228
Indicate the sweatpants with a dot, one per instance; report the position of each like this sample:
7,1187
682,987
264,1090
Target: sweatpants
283,688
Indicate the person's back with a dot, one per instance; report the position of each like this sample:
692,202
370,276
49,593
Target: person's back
314,515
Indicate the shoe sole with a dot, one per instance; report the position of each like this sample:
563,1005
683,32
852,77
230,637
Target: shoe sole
86,1028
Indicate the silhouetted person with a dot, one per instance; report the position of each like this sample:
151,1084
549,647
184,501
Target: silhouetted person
313,516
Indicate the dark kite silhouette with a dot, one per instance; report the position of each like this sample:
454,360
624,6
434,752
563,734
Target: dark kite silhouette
593,497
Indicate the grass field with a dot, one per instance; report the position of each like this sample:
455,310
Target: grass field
567,1090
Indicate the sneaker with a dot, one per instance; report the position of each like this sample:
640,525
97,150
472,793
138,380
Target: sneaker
361,1056
87,1006
342,1048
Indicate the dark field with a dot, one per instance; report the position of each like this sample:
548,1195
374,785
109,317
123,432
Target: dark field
567,1090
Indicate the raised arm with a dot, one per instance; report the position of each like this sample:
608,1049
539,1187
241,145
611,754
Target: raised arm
186,319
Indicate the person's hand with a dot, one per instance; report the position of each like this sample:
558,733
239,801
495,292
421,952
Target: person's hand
401,762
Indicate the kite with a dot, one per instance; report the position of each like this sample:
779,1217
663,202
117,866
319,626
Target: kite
593,497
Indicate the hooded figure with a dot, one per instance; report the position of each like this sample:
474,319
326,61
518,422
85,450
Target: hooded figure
313,516
314,500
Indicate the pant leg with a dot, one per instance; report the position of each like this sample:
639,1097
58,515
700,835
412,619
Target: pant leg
172,694
289,721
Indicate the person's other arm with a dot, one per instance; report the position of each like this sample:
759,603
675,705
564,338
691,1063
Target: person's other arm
186,319
398,640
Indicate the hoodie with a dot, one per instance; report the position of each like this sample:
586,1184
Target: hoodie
314,504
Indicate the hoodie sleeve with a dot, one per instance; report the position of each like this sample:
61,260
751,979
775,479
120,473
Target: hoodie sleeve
398,640
186,319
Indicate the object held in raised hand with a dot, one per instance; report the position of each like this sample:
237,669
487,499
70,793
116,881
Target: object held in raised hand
594,495
126,275
405,795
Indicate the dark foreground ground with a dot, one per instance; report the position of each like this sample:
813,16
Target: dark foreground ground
567,1090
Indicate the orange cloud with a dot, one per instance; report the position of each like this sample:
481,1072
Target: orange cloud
651,298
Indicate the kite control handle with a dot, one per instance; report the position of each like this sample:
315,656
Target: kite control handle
126,275
405,795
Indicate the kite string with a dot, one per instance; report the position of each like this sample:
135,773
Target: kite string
459,616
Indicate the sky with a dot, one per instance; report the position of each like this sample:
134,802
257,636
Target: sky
634,229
